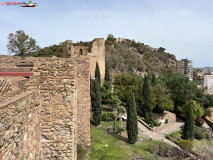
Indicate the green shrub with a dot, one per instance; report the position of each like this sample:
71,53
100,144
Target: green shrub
118,130
171,139
106,157
82,152
208,136
151,122
199,134
185,145
204,134
108,117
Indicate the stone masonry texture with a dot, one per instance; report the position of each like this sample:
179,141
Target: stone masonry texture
47,115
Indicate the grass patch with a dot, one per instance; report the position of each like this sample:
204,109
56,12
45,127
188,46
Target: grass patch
116,147
107,147
82,153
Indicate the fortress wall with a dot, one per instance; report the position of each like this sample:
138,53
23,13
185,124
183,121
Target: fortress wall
85,49
84,104
19,127
97,55
52,112
58,112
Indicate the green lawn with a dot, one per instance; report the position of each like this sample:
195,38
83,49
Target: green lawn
114,147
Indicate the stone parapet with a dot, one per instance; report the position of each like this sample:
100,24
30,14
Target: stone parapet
19,127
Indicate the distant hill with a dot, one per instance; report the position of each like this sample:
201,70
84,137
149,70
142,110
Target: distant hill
124,55
209,68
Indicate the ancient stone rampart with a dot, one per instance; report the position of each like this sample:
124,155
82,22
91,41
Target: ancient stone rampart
20,127
48,114
96,53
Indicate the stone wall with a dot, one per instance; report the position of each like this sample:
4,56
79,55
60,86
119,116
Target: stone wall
58,95
65,105
84,104
166,117
19,127
60,118
96,53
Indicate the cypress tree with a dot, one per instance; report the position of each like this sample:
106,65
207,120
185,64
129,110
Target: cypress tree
107,74
146,98
132,122
153,80
92,96
97,103
188,129
97,73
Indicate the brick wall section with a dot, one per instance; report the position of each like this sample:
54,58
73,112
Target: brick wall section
58,108
19,127
84,104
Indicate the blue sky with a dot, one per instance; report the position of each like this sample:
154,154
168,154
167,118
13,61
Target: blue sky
183,27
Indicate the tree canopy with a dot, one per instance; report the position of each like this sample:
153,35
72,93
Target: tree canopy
21,44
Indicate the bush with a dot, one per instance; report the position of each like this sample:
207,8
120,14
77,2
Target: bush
118,130
199,134
151,122
199,121
207,136
108,117
82,152
186,145
171,139
106,157
112,130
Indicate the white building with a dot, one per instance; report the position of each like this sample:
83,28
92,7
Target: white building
208,82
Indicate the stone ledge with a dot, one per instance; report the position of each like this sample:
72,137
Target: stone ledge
11,100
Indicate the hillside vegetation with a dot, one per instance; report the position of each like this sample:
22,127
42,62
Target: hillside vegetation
125,55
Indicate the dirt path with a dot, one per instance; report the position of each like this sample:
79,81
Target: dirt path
154,135
172,127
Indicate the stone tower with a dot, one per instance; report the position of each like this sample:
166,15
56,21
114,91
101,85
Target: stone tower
95,53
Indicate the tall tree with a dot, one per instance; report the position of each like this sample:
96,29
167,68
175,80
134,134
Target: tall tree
92,95
188,129
132,122
181,88
146,98
153,80
21,44
97,103
107,74
97,74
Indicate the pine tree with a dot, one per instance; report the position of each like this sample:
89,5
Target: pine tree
132,122
97,103
146,98
153,80
107,74
188,129
97,73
